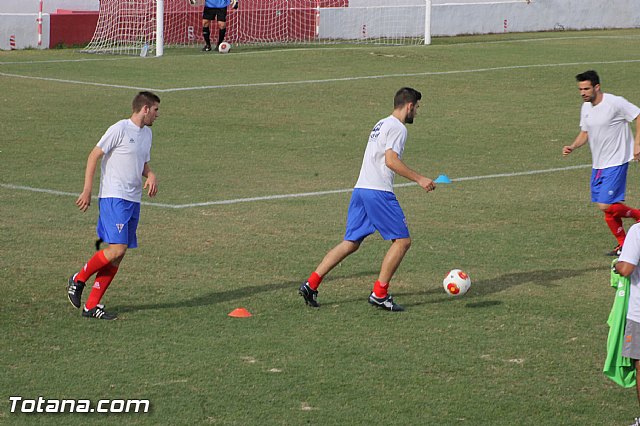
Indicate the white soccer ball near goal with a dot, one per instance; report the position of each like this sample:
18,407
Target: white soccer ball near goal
456,282
193,2
224,47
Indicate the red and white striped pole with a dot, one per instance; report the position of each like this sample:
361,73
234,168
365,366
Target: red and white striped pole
12,42
40,24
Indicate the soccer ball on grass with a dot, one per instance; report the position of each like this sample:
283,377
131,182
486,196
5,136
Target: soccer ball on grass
224,47
456,282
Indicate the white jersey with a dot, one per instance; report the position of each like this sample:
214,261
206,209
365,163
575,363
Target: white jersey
388,133
631,254
607,125
126,148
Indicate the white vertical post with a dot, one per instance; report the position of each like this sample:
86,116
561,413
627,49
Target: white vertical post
40,24
160,27
317,36
427,22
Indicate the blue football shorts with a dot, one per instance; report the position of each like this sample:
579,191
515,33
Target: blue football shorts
608,185
118,221
371,210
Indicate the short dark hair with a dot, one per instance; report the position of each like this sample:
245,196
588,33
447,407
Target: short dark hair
590,75
143,99
406,95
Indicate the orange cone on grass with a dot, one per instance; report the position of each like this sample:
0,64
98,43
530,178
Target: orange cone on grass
240,313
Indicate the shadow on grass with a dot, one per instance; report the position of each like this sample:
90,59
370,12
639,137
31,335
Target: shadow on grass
222,296
480,289
550,278
212,298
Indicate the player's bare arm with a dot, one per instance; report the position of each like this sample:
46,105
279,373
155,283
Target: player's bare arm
84,200
625,268
581,139
394,162
151,182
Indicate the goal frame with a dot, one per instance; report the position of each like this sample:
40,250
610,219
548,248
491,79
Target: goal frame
157,43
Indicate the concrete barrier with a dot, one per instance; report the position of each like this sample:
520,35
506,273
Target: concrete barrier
48,6
540,15
24,26
457,17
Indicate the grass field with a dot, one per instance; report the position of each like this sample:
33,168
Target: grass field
525,346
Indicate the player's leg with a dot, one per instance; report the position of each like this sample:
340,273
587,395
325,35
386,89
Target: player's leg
608,192
388,219
106,230
358,228
614,222
309,289
206,34
128,216
207,16
336,255
117,224
222,24
390,264
76,283
105,275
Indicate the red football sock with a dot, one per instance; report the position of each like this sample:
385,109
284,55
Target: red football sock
622,210
97,262
314,280
615,225
103,279
380,289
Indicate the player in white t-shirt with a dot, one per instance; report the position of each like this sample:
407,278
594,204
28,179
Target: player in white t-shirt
374,206
125,151
627,266
604,124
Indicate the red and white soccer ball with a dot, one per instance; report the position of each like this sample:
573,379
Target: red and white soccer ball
456,283
224,47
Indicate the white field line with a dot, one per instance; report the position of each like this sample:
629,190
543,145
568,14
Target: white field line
417,74
78,82
327,80
298,195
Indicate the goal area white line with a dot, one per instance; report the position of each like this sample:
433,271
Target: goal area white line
296,195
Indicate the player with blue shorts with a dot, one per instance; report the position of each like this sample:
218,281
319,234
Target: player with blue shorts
125,150
373,206
604,124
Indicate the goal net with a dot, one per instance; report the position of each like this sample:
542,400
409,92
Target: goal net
145,27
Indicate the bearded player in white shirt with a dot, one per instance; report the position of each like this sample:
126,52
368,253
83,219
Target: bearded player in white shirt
374,206
125,150
604,124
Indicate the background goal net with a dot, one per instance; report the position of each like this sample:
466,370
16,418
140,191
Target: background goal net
145,27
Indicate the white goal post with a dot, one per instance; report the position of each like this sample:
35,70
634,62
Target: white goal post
146,27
